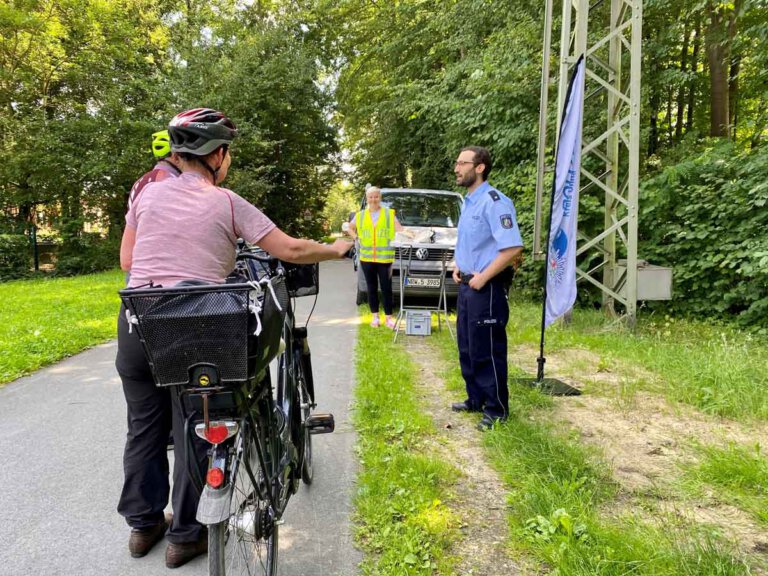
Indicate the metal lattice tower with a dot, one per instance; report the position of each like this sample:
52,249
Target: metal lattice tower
609,33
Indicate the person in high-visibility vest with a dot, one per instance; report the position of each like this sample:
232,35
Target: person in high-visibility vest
375,227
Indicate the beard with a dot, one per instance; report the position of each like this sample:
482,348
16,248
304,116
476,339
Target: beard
466,180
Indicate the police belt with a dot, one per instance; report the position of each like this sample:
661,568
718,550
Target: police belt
505,277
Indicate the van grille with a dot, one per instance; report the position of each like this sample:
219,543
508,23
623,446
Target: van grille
433,254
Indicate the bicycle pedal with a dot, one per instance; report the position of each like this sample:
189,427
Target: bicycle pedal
320,423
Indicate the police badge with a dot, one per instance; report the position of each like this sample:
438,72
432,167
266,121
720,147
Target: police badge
506,221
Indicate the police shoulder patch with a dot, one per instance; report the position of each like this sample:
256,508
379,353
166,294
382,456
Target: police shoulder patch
506,220
495,195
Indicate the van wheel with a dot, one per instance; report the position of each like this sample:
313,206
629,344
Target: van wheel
362,297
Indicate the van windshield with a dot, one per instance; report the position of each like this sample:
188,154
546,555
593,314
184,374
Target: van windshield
424,209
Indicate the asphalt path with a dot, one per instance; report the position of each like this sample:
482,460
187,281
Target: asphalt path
61,437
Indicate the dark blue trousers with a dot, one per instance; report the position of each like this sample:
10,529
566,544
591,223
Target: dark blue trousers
152,413
482,338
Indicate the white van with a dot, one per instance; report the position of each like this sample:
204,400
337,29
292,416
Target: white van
428,217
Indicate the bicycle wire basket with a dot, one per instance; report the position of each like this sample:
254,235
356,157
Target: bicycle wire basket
184,326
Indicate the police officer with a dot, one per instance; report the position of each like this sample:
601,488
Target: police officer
488,243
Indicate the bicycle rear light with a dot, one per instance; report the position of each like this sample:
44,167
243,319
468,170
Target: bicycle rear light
215,477
217,432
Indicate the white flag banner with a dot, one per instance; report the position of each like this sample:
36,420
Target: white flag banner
561,252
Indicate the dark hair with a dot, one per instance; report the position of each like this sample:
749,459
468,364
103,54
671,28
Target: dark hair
482,156
202,161
190,157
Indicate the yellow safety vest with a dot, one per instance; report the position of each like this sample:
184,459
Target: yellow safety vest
375,240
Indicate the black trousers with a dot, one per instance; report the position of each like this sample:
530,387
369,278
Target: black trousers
376,272
481,322
152,413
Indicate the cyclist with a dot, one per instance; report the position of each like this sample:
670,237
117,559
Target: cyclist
183,228
166,167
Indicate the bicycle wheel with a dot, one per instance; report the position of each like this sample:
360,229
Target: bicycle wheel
306,399
246,543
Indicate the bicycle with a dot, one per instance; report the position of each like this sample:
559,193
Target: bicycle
200,340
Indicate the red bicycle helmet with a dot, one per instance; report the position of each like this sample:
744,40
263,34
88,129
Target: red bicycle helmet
200,131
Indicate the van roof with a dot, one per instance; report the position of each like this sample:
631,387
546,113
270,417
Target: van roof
420,191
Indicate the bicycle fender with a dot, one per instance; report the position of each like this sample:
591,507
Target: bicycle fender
214,505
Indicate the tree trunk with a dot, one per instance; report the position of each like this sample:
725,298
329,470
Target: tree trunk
717,59
683,84
653,133
694,70
670,113
733,94
734,67
719,40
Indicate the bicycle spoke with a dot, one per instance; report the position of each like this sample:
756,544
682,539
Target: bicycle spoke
245,550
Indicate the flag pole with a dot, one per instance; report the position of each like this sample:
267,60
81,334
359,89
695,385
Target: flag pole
553,386
541,360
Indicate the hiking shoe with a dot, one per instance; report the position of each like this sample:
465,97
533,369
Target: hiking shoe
464,407
488,422
179,554
142,540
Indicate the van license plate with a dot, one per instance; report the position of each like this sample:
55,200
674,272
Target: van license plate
423,282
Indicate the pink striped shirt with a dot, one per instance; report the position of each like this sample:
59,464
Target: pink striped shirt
187,229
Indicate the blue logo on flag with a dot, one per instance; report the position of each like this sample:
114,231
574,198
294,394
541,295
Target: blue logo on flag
557,251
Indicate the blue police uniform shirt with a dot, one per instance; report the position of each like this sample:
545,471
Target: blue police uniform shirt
488,224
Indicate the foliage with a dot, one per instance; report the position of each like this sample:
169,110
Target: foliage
84,84
402,86
76,102
414,88
15,256
705,217
284,157
87,253
342,199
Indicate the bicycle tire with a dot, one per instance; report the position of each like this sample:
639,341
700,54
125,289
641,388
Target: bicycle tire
305,400
234,547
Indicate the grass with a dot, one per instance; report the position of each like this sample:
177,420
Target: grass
565,510
716,368
404,525
45,320
737,474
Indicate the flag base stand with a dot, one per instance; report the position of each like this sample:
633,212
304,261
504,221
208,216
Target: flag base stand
549,386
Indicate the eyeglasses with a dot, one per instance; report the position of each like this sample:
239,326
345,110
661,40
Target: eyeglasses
462,162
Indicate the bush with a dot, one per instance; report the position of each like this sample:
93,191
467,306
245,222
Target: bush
87,253
706,217
15,256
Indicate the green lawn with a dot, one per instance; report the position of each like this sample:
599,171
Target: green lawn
403,522
714,367
562,496
44,320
